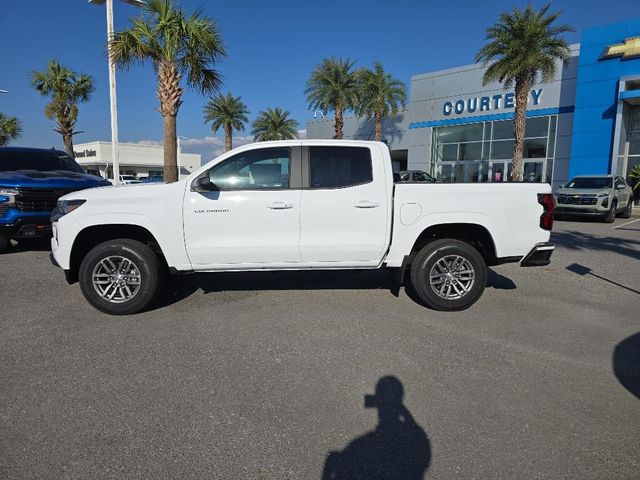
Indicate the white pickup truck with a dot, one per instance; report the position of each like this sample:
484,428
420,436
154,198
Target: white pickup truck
298,205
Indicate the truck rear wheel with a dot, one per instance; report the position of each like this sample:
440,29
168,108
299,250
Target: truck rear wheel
120,276
448,275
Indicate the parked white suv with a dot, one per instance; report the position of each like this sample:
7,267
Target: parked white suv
299,205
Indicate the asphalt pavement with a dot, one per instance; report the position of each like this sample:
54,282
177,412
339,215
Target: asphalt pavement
264,376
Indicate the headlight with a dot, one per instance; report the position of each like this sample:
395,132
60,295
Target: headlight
8,195
64,207
602,195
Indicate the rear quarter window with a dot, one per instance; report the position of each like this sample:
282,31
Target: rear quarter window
339,167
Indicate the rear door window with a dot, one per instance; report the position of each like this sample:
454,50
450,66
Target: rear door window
339,167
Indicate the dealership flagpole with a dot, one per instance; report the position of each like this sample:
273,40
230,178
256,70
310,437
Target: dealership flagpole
112,97
112,86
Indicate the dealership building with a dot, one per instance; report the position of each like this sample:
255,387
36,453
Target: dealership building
586,120
134,159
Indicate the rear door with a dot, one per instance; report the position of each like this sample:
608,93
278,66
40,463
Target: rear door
344,213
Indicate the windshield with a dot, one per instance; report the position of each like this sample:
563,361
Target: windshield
590,182
43,161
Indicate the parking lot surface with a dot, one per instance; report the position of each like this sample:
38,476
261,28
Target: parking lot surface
261,376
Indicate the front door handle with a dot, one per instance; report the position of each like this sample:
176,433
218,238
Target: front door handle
280,206
366,204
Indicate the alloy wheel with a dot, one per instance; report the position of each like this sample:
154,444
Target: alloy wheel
116,279
452,277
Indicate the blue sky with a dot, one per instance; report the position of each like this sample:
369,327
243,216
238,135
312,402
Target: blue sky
272,46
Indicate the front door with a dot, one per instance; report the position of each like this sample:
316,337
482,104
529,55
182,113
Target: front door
344,212
252,218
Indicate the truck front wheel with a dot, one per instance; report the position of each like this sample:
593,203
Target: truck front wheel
120,276
448,274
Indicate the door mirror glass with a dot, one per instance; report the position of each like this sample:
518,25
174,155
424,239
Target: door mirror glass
204,184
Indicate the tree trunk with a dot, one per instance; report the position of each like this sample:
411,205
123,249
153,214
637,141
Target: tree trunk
67,138
339,123
170,149
228,145
169,93
377,119
519,124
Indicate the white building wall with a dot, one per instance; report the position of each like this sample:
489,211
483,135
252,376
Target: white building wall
133,157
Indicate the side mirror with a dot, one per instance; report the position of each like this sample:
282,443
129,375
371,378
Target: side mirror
561,186
203,184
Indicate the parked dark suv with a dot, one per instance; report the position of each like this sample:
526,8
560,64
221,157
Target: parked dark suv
31,181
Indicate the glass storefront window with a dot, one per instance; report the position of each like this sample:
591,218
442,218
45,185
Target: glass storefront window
491,143
502,130
535,148
460,133
502,149
537,127
634,143
448,153
470,151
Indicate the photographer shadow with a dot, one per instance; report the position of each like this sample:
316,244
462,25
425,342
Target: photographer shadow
398,448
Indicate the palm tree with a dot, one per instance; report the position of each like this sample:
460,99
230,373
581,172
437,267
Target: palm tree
228,112
634,173
523,48
178,46
380,94
332,87
274,124
66,89
10,129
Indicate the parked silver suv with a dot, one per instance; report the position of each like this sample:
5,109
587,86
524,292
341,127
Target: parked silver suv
605,196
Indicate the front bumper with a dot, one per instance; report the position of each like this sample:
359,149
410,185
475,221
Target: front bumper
580,210
27,227
539,256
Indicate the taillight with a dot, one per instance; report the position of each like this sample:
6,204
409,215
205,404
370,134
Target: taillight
546,219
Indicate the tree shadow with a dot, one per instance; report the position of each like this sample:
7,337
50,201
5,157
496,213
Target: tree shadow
573,240
626,363
397,449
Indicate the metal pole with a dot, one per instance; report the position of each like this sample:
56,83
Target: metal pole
179,154
112,97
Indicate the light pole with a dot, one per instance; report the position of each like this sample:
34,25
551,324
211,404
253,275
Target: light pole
112,85
180,138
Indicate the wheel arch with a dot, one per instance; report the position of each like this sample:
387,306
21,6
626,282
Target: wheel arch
94,235
475,234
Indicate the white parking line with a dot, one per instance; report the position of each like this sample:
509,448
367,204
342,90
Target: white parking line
628,223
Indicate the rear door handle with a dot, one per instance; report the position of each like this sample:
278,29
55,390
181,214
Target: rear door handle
366,204
280,206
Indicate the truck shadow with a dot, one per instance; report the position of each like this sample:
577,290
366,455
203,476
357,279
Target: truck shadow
177,288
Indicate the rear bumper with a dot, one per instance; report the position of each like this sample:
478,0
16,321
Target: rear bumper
539,256
27,227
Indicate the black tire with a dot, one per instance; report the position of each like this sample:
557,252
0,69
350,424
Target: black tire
423,266
610,217
145,272
5,245
628,210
